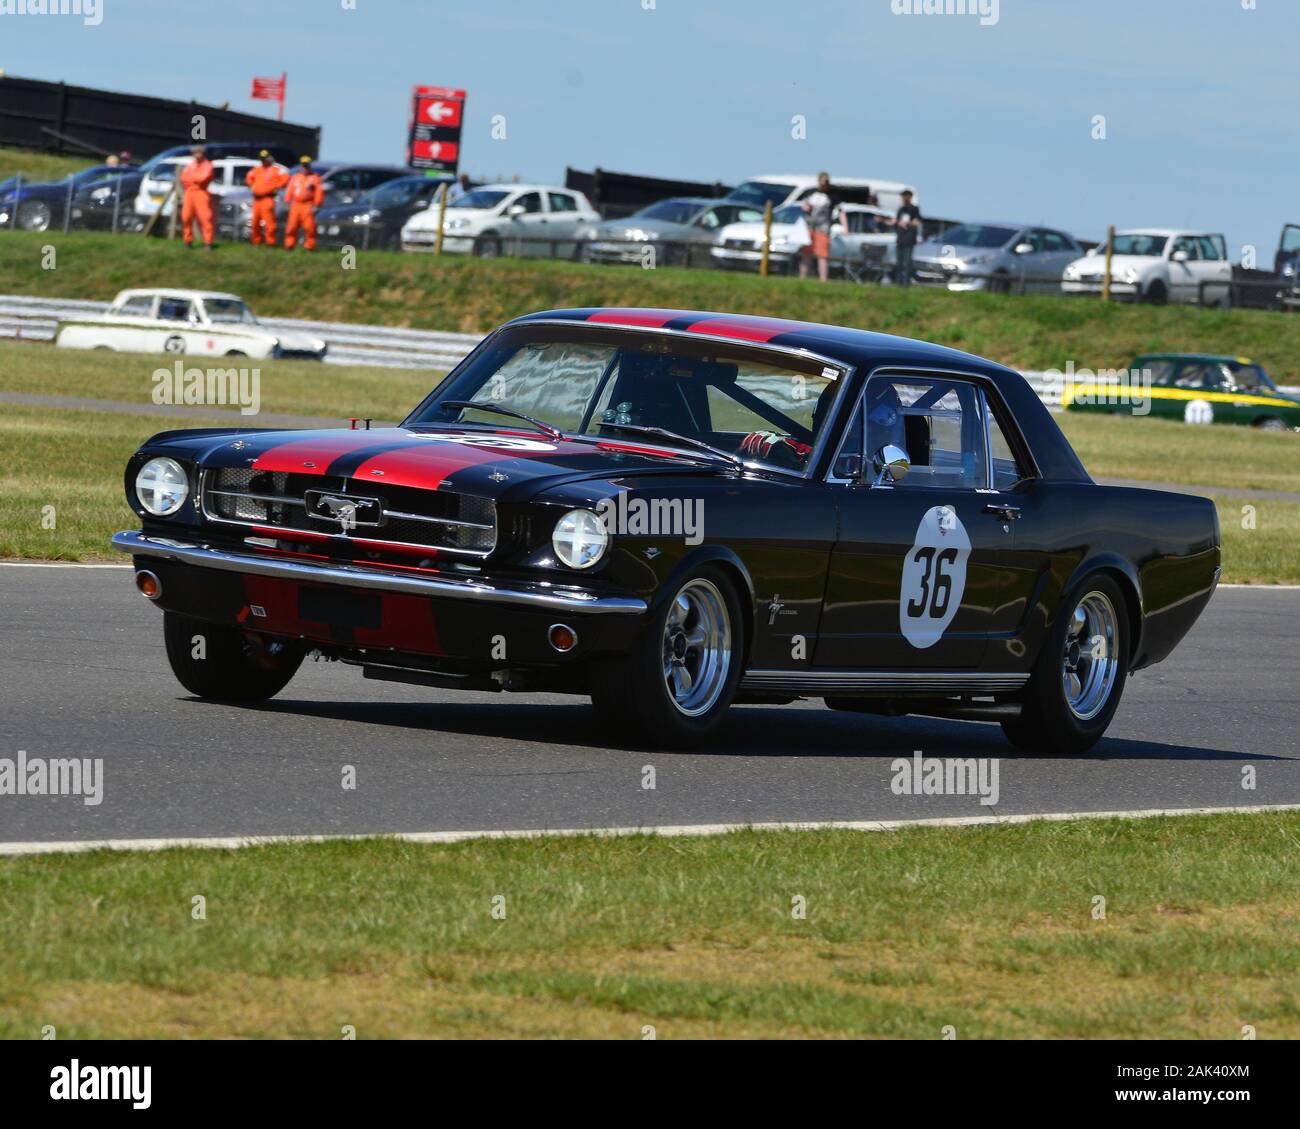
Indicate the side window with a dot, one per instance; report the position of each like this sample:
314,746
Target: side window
141,306
1007,469
1055,241
562,202
938,422
530,202
1193,374
346,180
1188,245
1210,250
174,309
1161,371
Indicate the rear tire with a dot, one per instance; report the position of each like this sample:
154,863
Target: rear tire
235,667
674,685
1079,676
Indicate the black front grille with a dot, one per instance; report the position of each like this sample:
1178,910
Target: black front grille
435,519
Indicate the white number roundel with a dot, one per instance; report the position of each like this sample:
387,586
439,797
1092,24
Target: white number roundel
934,577
1198,411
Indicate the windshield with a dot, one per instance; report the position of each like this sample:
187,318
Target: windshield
978,235
228,310
395,191
670,211
166,170
767,412
760,192
1135,243
479,198
791,213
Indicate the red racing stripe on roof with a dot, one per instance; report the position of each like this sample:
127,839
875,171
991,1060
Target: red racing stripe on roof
742,328
654,319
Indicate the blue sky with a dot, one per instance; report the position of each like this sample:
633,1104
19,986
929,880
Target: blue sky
988,121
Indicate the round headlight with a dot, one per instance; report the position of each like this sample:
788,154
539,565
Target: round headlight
580,539
162,486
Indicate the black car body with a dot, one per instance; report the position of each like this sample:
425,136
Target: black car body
704,508
42,206
375,221
341,182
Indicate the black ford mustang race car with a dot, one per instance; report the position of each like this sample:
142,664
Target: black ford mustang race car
671,512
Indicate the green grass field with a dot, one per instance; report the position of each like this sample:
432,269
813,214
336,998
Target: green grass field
990,930
473,296
39,167
72,459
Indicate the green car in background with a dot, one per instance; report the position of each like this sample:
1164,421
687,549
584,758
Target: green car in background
1195,388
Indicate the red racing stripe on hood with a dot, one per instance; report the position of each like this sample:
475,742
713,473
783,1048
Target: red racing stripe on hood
430,464
291,457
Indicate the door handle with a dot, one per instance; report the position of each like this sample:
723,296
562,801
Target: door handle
1005,512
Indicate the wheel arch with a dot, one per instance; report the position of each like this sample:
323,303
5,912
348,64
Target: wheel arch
733,567
1125,575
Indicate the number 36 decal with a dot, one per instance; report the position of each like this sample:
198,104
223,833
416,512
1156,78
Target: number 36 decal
934,577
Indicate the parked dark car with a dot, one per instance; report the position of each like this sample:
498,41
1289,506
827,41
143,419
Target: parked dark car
41,206
99,204
673,511
342,184
375,220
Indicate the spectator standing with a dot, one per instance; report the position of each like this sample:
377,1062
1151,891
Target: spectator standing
265,180
304,194
458,188
908,226
820,209
196,204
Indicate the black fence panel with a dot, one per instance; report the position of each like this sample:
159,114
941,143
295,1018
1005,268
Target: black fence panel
58,118
618,194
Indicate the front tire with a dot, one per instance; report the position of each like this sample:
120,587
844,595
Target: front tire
1077,681
487,247
224,663
1157,294
673,687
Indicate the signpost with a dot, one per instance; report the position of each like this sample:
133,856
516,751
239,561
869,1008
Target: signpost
433,142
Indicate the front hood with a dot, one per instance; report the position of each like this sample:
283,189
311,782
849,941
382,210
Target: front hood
939,251
300,342
429,218
489,463
1096,264
630,229
755,231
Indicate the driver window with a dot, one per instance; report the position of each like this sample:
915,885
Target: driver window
937,422
530,202
174,309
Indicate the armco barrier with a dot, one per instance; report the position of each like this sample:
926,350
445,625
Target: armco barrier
35,319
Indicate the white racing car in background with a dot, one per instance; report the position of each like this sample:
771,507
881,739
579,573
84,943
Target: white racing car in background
185,321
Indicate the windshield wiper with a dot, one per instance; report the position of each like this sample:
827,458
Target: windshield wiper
684,440
488,406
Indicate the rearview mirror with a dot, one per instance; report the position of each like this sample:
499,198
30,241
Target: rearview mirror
891,463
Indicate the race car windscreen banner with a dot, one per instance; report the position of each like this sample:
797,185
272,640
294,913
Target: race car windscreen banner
434,139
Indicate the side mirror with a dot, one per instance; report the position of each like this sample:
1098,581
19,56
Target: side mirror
1179,256
891,463
1023,248
515,211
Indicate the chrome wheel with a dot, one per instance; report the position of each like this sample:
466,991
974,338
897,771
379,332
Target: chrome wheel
697,647
1090,664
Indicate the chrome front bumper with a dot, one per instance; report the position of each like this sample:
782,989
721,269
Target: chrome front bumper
540,595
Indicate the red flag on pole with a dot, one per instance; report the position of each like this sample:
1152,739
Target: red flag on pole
270,90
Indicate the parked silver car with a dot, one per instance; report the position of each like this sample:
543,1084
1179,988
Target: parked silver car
995,256
681,229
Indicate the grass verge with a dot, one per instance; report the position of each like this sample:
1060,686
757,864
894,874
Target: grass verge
990,930
473,295
38,167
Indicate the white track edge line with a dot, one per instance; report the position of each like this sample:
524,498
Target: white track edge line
235,842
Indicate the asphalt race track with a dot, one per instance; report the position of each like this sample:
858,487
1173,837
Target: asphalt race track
83,674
